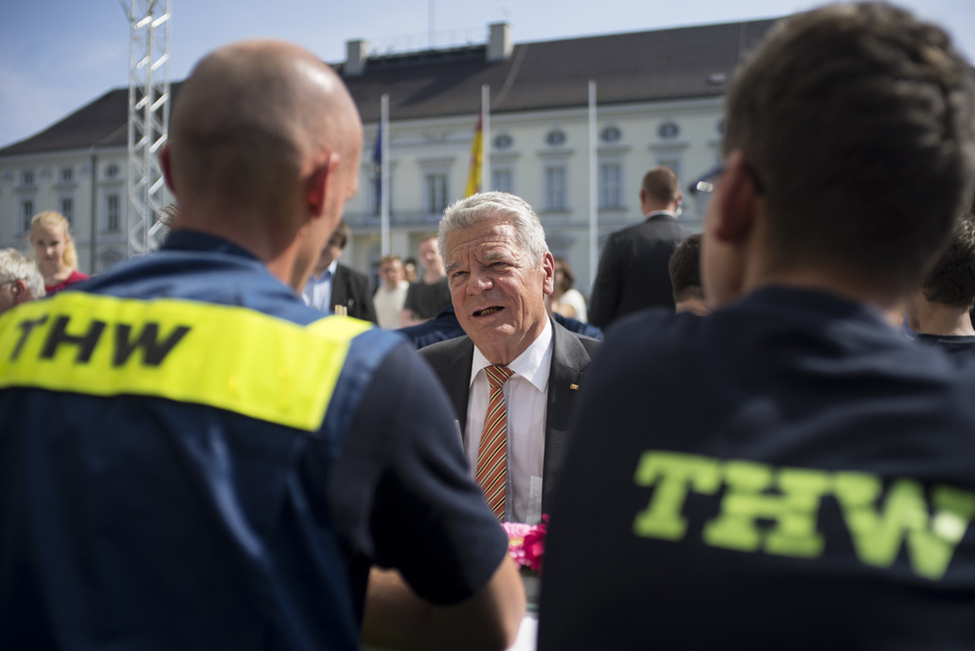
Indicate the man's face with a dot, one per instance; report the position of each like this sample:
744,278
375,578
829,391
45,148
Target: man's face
331,252
721,264
497,292
430,255
392,274
340,187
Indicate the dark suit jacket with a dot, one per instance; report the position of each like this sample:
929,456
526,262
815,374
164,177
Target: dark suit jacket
571,355
351,288
633,271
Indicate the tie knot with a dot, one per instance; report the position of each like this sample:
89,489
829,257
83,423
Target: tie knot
498,375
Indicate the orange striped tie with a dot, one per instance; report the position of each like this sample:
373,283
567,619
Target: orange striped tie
492,453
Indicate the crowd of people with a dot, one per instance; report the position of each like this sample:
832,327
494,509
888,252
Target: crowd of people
211,447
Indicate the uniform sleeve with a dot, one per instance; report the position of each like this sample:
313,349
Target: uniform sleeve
402,490
605,290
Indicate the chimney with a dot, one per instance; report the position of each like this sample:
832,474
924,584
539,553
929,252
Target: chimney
355,58
499,44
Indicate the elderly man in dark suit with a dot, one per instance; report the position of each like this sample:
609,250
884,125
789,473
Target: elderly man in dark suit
633,270
514,377
333,287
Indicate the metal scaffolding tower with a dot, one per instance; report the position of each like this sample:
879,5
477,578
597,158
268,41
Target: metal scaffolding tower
148,118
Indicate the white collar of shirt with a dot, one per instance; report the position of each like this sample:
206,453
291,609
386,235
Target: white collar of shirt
330,269
660,212
526,395
533,364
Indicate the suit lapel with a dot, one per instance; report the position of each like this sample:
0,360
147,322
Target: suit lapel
458,370
340,290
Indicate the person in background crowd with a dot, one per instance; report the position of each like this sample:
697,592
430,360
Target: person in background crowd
566,300
427,296
781,474
685,277
500,271
391,293
409,270
333,287
632,272
50,235
191,458
20,279
939,310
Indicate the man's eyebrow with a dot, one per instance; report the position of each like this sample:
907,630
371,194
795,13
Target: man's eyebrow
452,266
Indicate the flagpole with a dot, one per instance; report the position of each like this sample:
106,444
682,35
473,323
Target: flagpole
593,189
485,138
384,183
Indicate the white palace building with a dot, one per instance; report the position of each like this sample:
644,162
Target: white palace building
659,101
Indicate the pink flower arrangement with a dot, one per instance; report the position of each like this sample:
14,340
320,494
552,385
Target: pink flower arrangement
526,543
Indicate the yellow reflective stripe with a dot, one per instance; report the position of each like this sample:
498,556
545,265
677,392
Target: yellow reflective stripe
227,357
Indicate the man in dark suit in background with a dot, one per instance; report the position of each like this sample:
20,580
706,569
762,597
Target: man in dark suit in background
633,269
499,270
333,287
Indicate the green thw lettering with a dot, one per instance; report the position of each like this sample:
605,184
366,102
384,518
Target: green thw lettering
673,474
878,533
794,510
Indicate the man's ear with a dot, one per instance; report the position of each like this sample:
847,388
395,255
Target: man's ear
20,292
548,268
164,160
737,197
317,183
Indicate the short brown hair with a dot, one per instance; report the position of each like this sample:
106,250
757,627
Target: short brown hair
952,279
343,231
661,184
685,269
389,259
857,124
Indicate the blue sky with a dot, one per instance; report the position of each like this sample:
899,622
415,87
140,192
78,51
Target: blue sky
57,55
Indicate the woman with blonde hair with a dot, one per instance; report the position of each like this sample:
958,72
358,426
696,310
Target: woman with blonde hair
50,235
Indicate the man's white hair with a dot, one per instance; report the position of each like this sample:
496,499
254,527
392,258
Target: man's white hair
490,205
16,266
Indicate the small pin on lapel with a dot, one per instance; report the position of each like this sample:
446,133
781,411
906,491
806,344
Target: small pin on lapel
573,387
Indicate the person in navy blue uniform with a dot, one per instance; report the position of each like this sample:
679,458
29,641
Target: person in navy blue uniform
191,458
790,472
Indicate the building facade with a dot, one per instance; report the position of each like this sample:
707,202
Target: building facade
659,102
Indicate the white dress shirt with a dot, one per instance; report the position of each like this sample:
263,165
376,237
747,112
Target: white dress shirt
526,402
318,289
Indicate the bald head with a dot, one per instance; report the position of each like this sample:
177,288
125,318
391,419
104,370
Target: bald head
251,122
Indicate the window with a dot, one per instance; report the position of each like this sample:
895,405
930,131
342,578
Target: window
67,175
555,137
610,186
501,180
111,212
67,208
555,188
26,212
27,177
436,193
